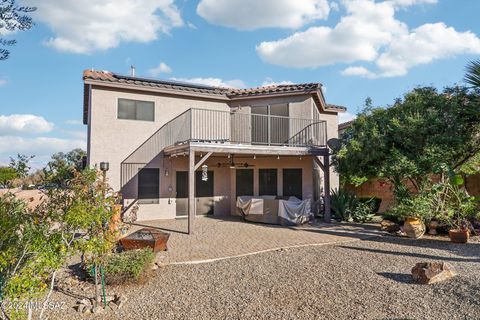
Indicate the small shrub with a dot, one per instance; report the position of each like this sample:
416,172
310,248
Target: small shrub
127,266
363,212
373,201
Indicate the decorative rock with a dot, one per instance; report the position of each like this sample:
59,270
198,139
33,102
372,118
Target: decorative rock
80,308
154,266
431,272
97,309
83,301
120,300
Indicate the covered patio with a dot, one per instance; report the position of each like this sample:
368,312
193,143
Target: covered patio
198,153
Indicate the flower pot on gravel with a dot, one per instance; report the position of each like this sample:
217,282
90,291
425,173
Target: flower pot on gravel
459,235
414,227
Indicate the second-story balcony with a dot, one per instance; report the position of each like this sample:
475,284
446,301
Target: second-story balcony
241,128
202,125
227,129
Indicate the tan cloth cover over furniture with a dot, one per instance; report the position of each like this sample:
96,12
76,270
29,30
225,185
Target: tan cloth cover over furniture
267,209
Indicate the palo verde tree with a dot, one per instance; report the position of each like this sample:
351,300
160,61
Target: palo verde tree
12,18
426,132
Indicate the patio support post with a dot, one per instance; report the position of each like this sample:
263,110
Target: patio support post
325,166
327,216
191,190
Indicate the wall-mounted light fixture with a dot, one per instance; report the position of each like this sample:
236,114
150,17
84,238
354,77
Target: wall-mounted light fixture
166,172
104,166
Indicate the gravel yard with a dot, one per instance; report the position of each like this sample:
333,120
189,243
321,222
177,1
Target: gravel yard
366,279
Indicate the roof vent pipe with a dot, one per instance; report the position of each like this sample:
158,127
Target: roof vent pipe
132,71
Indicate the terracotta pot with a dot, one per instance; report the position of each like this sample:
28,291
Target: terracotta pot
414,228
459,236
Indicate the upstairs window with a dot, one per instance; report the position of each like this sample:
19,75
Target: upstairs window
136,110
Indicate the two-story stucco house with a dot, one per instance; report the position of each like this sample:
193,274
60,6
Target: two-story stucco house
180,149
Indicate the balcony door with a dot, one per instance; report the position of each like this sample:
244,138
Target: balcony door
270,124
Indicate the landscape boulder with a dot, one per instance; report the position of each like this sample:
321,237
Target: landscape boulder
431,272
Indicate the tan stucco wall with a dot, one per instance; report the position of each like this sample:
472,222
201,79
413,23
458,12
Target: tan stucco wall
224,182
112,139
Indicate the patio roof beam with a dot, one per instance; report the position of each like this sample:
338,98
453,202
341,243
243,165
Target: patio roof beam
203,160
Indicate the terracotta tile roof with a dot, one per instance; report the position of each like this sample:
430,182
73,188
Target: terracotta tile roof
227,93
116,78
345,125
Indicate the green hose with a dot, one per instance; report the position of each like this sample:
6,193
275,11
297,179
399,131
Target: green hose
103,287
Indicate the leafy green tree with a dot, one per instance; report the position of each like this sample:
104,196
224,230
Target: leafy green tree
21,164
7,175
62,166
472,76
34,243
424,133
12,18
30,250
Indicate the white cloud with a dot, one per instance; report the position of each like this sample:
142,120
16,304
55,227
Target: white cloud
255,14
423,45
161,68
90,25
269,82
345,117
3,82
23,124
214,82
74,122
357,36
407,3
369,32
191,26
39,146
358,71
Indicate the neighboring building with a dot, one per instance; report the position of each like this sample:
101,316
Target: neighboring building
154,134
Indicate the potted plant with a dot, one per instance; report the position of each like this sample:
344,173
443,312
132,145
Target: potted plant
461,232
414,211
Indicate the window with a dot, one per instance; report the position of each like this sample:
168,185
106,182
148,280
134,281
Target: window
292,183
244,182
136,110
148,185
267,182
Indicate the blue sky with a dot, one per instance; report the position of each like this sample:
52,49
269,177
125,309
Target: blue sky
355,48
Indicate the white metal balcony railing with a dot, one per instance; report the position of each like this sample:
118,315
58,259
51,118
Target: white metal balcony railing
214,126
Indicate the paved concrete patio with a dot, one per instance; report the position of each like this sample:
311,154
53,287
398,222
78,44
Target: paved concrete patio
217,238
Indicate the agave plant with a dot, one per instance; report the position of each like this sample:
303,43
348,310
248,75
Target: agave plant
343,204
472,76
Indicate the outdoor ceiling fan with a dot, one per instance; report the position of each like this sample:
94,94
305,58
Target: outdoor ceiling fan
234,165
